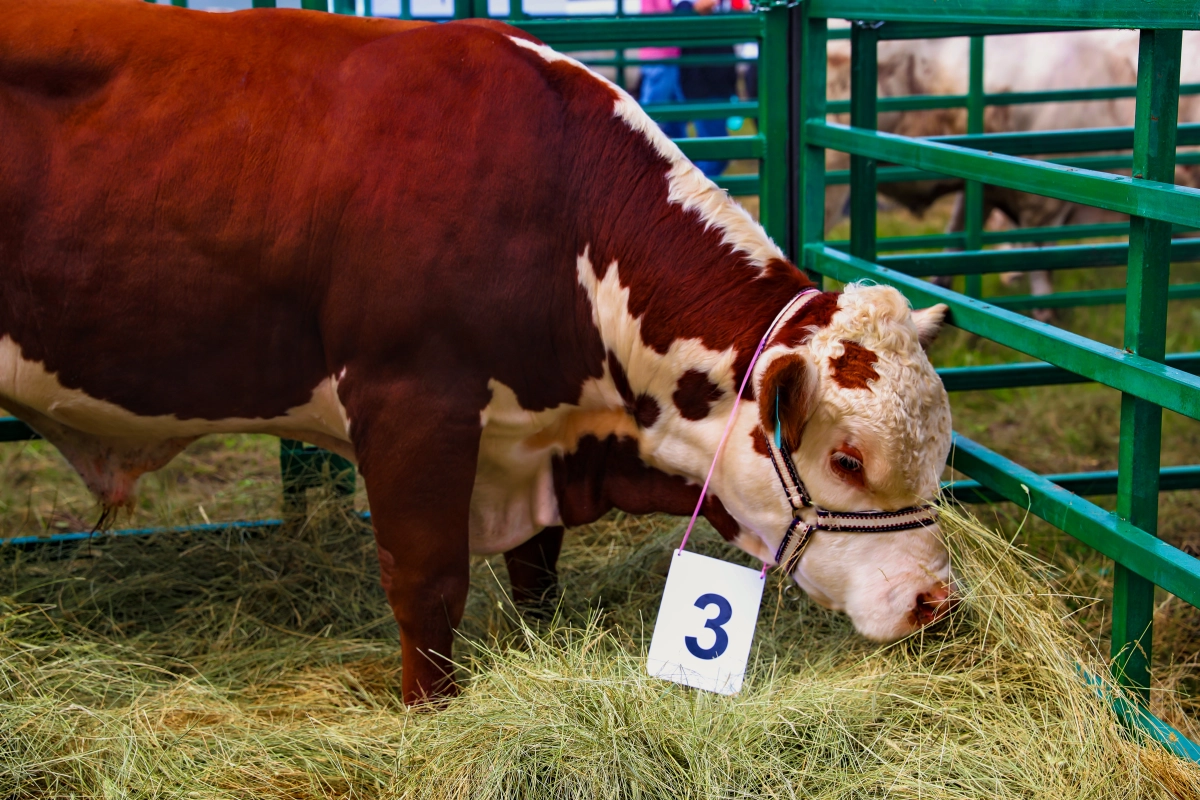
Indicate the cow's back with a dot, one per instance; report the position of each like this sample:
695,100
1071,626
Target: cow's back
204,203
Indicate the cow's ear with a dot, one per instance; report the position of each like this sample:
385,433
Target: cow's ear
929,323
789,385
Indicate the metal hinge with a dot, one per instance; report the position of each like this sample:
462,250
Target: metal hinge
767,5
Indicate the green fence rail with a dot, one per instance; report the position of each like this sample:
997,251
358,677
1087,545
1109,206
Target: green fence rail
1148,378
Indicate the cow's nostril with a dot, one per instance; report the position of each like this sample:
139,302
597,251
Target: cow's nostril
933,605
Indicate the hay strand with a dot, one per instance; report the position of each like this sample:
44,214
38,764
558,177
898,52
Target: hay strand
267,666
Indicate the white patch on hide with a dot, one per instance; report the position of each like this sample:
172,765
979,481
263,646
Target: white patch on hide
514,495
95,427
743,480
875,578
514,491
688,186
907,405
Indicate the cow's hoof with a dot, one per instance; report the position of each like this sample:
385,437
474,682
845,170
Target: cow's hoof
438,699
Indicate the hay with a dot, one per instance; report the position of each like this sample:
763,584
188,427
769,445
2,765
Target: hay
229,665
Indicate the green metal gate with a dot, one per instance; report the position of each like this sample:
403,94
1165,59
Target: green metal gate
1148,379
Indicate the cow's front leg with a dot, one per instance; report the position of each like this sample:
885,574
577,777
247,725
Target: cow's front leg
418,460
533,572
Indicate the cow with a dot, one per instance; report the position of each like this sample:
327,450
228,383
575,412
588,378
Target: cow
461,260
1016,63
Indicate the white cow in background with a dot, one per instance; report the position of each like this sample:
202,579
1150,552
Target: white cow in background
1018,63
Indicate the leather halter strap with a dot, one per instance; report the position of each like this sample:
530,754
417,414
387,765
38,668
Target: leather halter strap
799,533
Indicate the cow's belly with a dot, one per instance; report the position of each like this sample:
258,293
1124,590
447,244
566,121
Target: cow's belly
111,446
513,497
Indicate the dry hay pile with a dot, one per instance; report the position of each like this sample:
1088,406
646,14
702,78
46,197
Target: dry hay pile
236,666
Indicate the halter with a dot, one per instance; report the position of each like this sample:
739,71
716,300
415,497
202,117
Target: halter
799,532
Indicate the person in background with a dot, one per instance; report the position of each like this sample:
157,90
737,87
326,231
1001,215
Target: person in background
713,82
660,82
672,83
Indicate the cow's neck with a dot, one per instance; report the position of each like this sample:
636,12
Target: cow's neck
682,281
679,323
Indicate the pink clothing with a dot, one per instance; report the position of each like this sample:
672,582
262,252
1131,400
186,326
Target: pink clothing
658,7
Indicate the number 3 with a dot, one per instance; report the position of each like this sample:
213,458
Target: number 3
724,613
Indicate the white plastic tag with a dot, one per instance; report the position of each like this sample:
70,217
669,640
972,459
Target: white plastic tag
706,623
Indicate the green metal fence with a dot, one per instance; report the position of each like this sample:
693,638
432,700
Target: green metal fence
1148,379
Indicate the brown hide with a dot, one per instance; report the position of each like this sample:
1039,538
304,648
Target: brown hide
602,475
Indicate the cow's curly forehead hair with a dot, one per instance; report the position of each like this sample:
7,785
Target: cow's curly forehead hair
906,405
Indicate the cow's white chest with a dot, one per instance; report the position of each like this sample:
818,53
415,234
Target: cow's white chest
514,495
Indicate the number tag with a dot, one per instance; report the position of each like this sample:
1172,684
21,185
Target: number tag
706,623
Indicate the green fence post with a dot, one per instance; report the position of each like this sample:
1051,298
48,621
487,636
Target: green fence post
622,74
864,80
405,9
811,43
791,245
315,5
773,123
973,190
262,3
1145,335
343,7
463,9
303,467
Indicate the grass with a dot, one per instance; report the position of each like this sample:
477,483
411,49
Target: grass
235,665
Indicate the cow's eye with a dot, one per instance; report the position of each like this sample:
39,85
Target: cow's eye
848,464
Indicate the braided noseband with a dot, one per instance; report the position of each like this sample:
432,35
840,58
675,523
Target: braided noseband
799,532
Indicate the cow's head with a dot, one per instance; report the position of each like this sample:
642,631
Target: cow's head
867,421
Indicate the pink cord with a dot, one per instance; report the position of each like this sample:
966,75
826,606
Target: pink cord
733,415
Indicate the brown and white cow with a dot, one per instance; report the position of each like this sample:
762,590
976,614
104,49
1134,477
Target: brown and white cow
458,258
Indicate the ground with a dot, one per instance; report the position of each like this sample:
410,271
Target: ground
266,665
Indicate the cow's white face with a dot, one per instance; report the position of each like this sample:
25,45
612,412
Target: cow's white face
868,422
